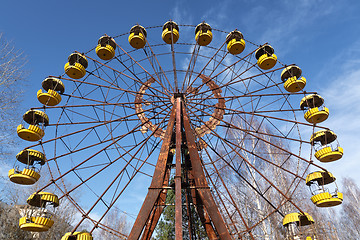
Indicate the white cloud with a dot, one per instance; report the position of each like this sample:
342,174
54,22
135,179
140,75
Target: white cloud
338,82
179,15
341,96
289,21
4,168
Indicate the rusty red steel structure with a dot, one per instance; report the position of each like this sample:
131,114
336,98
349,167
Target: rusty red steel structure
178,171
193,121
196,184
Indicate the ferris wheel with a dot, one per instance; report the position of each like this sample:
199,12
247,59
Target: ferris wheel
207,114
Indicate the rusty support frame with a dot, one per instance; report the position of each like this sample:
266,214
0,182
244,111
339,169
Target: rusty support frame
160,203
197,186
156,184
203,215
201,184
196,200
178,177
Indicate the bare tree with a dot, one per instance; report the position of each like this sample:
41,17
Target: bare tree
14,197
349,216
10,215
256,195
9,228
251,191
116,220
12,81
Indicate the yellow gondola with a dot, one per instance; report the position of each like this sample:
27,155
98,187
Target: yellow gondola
30,156
77,236
326,151
170,33
25,177
314,113
137,37
235,42
37,218
105,49
32,133
321,196
34,118
298,218
291,76
29,175
76,65
203,34
54,88
329,154
42,199
294,223
35,224
266,59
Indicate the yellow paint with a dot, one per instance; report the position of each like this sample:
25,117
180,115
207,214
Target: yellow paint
25,177
203,38
49,98
294,84
328,155
169,36
79,236
235,46
298,218
32,134
33,200
35,224
75,71
327,200
266,62
314,115
105,52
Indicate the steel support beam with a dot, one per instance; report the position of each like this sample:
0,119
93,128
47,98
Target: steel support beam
156,184
160,205
196,183
178,178
201,211
202,187
203,215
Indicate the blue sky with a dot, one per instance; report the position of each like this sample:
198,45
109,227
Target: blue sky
322,37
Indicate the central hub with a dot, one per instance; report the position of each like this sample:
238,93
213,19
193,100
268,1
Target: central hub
148,118
177,95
